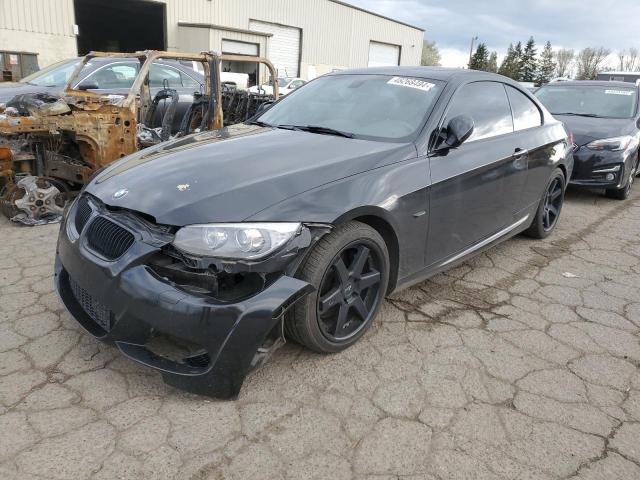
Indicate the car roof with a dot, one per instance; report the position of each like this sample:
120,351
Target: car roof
592,83
96,62
434,73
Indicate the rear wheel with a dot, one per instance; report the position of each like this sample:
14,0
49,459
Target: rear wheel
624,192
349,269
549,208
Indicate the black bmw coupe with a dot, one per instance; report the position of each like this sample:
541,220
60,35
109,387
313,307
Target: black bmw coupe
198,257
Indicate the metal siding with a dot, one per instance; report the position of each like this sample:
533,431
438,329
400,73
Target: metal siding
52,17
332,34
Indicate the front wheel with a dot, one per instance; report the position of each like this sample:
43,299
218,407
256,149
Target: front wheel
549,207
624,192
349,269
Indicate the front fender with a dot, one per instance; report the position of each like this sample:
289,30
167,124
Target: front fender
397,193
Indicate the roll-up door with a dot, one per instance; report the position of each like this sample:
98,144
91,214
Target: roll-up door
284,46
383,55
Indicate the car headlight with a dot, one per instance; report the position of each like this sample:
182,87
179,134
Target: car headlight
616,144
241,241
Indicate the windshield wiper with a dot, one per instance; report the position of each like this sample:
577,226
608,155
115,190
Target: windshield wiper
590,115
317,129
259,123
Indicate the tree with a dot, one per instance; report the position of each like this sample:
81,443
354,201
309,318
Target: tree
493,62
480,59
589,61
529,63
547,65
517,62
430,54
564,62
629,60
508,66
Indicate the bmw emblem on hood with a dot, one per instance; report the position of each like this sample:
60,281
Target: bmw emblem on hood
120,194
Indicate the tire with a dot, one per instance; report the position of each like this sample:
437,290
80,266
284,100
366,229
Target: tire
542,226
624,192
335,267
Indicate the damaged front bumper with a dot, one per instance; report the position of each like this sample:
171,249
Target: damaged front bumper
126,302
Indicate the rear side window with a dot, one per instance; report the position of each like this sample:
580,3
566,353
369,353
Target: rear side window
525,113
487,104
159,74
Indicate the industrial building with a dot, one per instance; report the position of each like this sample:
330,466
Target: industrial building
304,38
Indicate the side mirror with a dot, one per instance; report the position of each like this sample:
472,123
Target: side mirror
458,131
88,86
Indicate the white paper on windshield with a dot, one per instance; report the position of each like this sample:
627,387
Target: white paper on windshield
411,83
619,92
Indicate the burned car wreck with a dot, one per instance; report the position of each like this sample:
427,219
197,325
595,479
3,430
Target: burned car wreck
50,146
199,256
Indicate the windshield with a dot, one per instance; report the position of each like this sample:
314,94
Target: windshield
283,82
55,75
376,107
590,100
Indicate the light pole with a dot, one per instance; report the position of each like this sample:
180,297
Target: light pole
473,40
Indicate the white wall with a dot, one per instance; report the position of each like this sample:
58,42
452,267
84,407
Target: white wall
39,26
334,36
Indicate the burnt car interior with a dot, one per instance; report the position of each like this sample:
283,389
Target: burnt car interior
50,146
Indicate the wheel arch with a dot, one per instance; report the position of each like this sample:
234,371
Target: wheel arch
565,172
382,222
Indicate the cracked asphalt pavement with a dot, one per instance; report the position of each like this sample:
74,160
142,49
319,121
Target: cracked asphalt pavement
521,364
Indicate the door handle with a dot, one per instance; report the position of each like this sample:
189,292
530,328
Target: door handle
520,157
520,153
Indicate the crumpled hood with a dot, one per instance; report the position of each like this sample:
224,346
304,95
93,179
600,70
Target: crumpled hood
586,129
230,175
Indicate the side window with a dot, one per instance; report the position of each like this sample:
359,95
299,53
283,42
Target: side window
118,75
297,84
158,74
487,104
189,82
525,113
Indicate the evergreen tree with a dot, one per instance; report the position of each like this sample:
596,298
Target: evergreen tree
517,63
529,63
547,65
493,62
507,66
480,59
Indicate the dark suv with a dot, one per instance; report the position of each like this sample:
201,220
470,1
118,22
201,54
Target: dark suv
604,119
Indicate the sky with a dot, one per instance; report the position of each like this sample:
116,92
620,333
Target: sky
565,23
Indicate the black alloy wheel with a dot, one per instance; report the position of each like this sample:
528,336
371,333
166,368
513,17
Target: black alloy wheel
349,292
624,192
349,269
552,204
547,214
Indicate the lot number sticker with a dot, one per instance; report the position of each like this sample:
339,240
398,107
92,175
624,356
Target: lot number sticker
411,83
619,92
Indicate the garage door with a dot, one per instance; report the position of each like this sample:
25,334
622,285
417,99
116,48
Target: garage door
383,55
240,48
284,46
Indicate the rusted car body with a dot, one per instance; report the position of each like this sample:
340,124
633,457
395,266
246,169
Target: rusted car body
63,142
